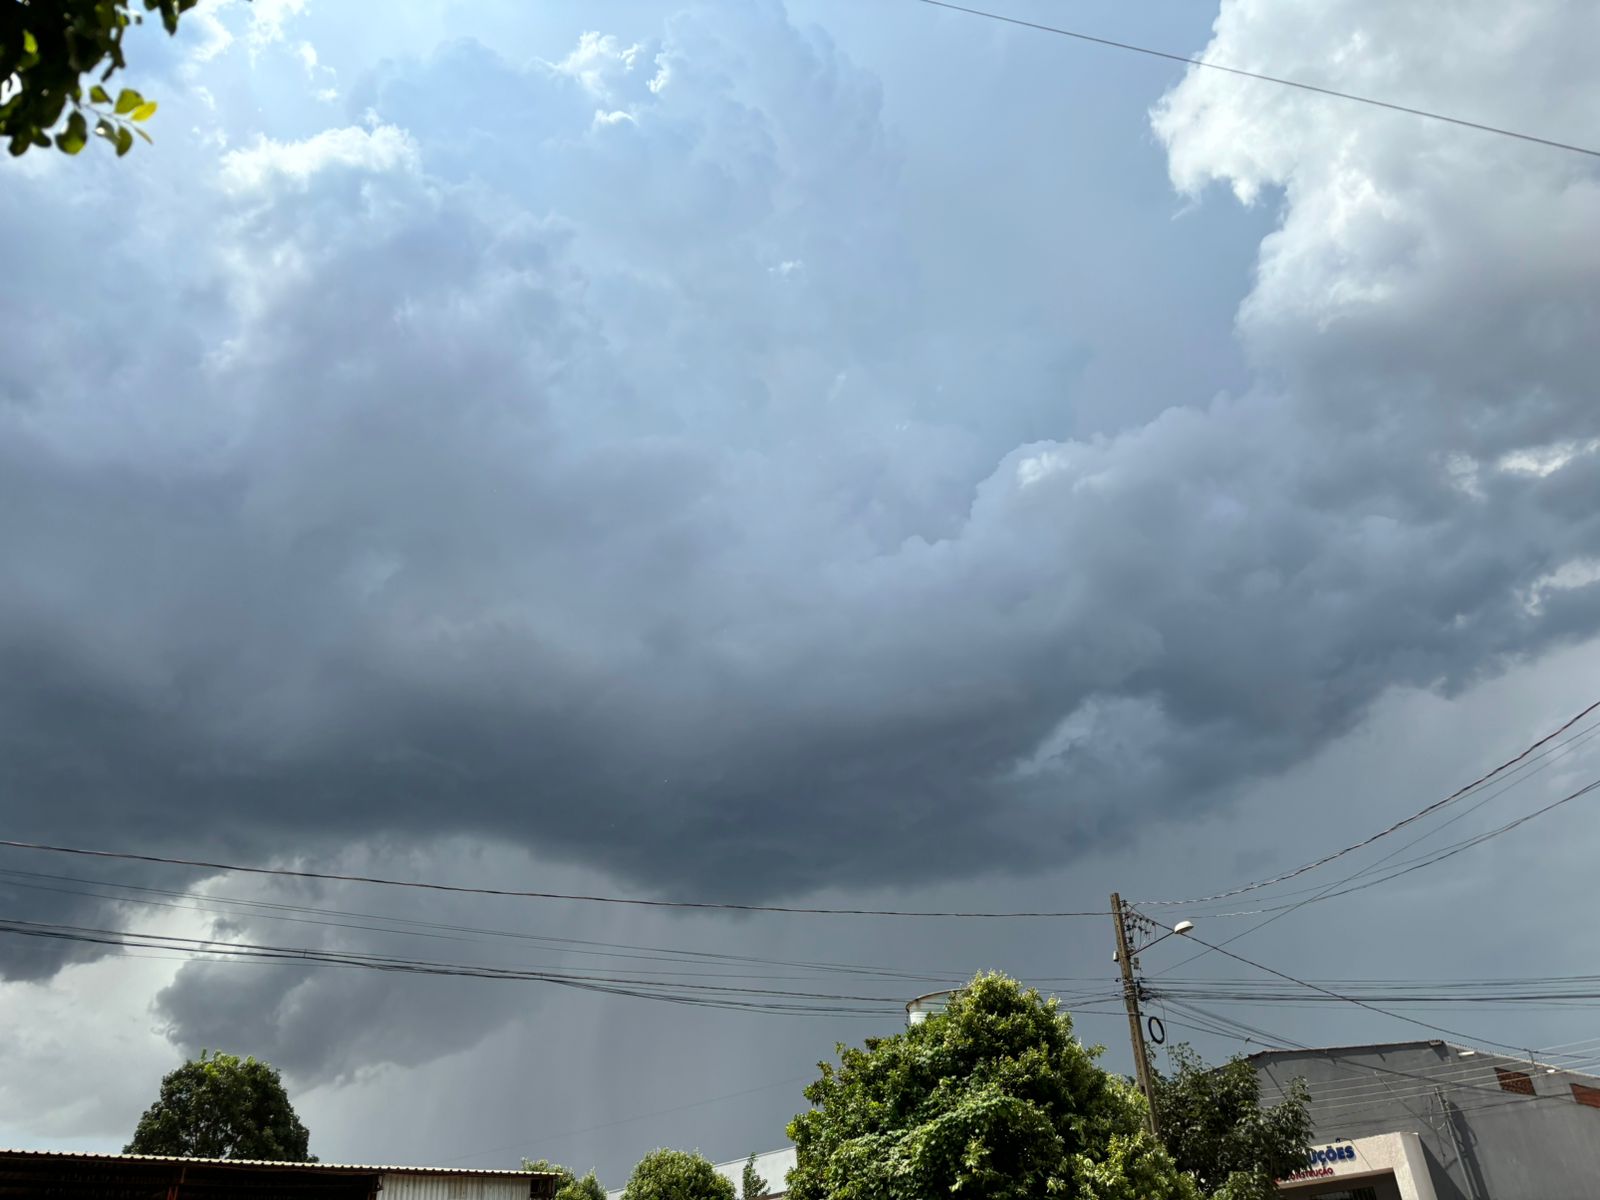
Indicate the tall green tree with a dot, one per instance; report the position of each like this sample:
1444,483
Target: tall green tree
676,1175
751,1185
992,1099
1215,1128
572,1186
223,1106
56,56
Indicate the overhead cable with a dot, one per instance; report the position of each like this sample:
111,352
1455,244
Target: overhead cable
1382,833
1206,64
1455,1033
1518,777
515,893
703,995
403,926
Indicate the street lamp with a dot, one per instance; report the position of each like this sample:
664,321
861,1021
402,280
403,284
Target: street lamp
1181,928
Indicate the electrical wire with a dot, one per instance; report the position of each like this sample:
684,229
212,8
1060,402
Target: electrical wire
1431,992
1469,843
1481,1076
1334,891
676,990
1487,1084
1263,78
1347,999
1515,778
1545,759
336,877
706,995
1355,1094
1381,834
278,911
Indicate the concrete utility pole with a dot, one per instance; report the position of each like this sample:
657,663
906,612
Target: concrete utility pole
1130,1000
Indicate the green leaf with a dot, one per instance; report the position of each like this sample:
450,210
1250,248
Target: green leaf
145,111
124,140
127,101
30,44
147,139
104,128
99,95
72,139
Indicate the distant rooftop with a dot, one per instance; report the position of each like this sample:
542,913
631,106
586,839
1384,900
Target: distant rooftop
1523,1061
77,1174
348,1168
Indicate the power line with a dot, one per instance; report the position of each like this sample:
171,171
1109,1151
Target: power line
402,926
1551,997
1249,962
1336,889
1383,833
712,995
1356,1093
1416,864
1361,1093
335,877
1545,761
1256,75
703,995
1456,1076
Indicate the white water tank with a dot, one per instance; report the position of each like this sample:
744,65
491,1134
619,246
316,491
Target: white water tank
934,1002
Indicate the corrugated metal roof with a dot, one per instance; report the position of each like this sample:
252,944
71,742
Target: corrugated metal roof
353,1168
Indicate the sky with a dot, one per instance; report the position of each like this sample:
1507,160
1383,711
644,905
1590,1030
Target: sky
851,455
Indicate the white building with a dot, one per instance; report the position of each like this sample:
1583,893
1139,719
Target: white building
1482,1125
70,1176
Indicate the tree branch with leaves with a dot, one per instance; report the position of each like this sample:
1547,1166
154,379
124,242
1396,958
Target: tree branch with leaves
222,1106
1215,1128
56,56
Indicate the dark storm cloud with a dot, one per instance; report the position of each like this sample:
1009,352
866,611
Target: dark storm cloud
577,464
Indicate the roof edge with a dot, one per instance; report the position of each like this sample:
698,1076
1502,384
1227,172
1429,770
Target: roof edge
271,1164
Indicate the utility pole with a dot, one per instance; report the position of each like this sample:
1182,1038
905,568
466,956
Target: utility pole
1130,1000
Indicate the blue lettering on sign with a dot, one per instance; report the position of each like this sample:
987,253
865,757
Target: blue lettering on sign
1331,1154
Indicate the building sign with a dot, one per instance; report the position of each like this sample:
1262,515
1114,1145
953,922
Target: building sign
1308,1173
1386,1156
1319,1163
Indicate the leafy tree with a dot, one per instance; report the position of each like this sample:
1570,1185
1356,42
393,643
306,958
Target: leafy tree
571,1186
752,1186
992,1099
676,1175
222,1106
1215,1128
47,47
